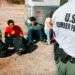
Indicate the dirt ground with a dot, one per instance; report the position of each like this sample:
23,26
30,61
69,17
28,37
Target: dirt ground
39,62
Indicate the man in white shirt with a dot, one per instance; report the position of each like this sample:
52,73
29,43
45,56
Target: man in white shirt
48,28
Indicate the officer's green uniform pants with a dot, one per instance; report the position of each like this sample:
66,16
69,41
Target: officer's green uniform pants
66,68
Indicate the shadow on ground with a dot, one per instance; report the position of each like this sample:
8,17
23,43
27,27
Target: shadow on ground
9,52
29,49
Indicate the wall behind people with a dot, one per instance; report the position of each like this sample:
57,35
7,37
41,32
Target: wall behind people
63,1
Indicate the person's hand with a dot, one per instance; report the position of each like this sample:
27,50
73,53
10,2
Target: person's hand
13,32
26,33
21,35
8,35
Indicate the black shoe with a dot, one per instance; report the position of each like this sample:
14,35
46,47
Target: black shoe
52,41
20,51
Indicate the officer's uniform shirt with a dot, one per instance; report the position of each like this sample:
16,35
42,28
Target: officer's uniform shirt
64,27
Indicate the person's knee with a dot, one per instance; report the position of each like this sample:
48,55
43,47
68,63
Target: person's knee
8,39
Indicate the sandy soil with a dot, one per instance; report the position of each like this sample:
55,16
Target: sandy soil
39,62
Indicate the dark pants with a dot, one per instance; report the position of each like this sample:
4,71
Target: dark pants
16,42
35,35
3,49
64,62
9,41
60,55
51,34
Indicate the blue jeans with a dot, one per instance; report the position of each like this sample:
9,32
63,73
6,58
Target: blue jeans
49,35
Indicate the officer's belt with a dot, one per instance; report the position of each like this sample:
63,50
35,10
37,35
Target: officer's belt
60,55
65,57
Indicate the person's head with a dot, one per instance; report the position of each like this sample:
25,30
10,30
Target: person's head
10,23
48,21
33,20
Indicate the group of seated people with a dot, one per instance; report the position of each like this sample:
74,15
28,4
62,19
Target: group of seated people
14,36
43,32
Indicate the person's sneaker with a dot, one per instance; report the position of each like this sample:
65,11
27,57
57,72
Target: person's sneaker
20,51
47,43
10,48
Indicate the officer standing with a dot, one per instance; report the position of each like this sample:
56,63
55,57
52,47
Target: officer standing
64,49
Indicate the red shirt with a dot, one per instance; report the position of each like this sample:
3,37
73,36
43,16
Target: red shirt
16,29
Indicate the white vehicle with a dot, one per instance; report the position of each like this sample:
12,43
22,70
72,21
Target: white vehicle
41,8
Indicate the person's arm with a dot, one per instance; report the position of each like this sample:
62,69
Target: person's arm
6,32
20,31
50,24
29,26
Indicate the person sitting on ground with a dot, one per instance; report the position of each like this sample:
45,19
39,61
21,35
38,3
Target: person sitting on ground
35,30
13,36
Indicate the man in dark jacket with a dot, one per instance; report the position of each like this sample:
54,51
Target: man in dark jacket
35,30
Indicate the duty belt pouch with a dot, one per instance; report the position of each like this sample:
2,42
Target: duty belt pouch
60,55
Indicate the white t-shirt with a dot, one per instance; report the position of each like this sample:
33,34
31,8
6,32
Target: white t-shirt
64,27
48,26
